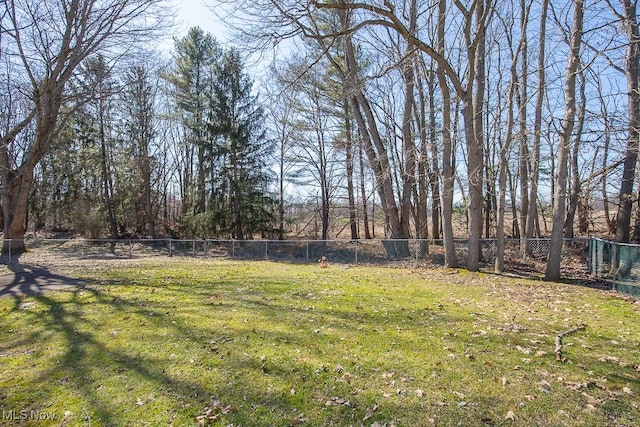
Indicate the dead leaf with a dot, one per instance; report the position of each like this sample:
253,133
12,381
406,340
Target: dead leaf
592,401
510,416
338,401
627,390
420,393
575,386
545,386
214,412
370,412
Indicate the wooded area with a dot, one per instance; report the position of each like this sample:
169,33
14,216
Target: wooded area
398,114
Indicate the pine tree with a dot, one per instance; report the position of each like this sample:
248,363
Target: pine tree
196,65
243,178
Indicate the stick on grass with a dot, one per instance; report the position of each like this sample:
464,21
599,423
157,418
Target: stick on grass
581,327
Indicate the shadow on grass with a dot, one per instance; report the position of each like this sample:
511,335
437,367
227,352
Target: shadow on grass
87,354
27,280
278,313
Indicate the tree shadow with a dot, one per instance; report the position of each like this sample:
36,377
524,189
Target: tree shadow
86,354
26,279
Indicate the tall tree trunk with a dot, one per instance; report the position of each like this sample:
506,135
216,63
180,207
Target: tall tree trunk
576,185
363,191
375,149
447,152
424,174
505,148
515,229
434,176
552,272
15,196
353,217
281,176
490,196
532,218
473,110
408,144
635,237
524,160
632,72
18,181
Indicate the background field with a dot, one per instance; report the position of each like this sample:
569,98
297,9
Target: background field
179,341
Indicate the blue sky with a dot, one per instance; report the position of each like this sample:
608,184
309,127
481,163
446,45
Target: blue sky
191,13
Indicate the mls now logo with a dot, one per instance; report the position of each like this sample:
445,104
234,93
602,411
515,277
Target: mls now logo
25,415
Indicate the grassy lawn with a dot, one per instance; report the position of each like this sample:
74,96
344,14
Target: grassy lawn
182,341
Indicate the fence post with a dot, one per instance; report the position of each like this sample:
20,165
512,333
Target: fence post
233,249
193,246
266,249
170,248
307,251
614,260
130,248
356,252
590,255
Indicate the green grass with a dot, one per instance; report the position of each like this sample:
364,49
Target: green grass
163,342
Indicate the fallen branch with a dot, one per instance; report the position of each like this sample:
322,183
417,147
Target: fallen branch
564,334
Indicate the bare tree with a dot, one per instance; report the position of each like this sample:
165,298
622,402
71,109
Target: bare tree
280,118
49,40
524,161
555,251
450,259
576,186
629,20
505,148
470,89
534,176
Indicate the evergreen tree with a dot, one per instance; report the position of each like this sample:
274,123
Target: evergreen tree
244,149
196,63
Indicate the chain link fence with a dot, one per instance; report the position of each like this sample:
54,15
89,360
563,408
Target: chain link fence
518,253
618,263
595,262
